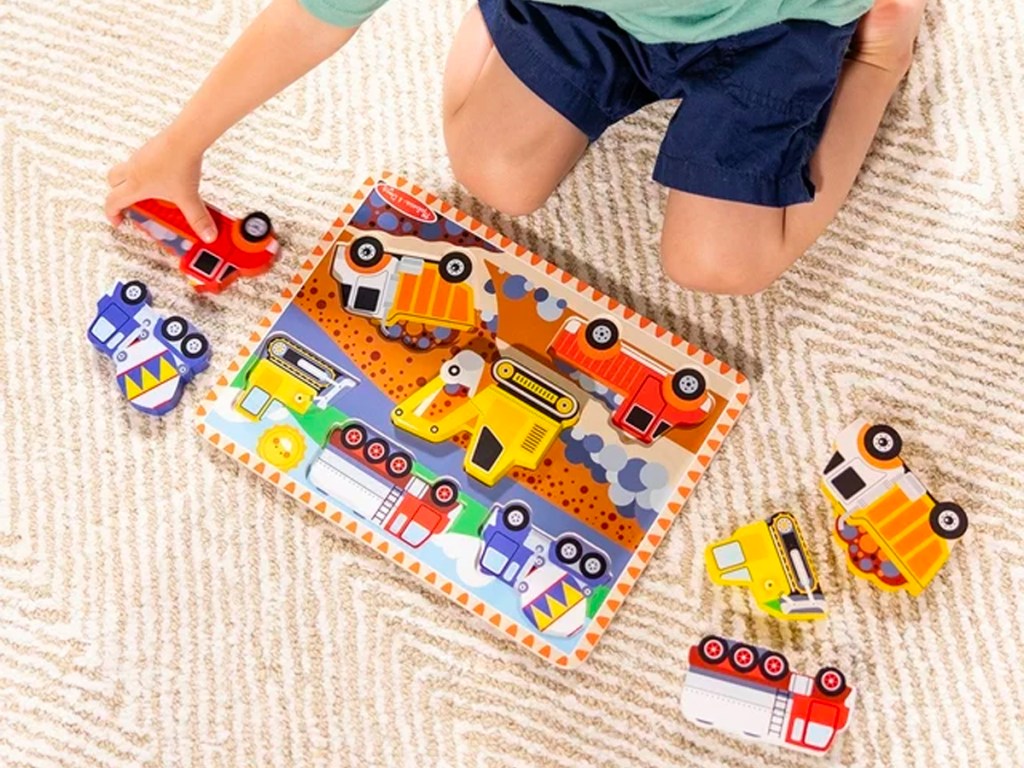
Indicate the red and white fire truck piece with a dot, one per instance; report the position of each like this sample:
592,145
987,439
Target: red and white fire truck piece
368,474
653,399
751,692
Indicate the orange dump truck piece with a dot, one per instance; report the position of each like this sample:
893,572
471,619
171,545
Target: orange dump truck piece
895,532
396,287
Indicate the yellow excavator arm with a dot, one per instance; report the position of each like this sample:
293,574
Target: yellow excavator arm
465,370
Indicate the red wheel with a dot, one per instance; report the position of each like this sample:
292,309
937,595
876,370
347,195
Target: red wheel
742,657
376,450
353,436
774,666
830,681
712,649
399,464
444,493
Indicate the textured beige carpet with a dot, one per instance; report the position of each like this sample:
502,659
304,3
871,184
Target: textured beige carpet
158,606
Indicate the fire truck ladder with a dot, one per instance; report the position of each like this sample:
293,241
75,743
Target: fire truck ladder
389,503
778,718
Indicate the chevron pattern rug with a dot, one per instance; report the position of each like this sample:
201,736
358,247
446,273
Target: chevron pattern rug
160,606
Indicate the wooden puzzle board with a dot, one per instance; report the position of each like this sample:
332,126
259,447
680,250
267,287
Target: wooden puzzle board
379,311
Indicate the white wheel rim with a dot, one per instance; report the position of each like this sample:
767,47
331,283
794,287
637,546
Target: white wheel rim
193,346
569,550
133,292
949,520
688,384
516,518
592,566
882,442
365,252
602,334
256,227
174,328
456,268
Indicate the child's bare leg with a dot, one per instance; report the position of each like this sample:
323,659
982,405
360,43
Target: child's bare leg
725,247
507,146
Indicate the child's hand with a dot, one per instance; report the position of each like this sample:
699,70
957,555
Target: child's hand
885,37
162,169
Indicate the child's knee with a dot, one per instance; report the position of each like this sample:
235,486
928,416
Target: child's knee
495,178
712,268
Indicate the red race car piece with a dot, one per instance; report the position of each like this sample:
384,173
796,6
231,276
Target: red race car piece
243,247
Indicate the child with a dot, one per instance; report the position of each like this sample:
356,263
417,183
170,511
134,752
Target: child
771,132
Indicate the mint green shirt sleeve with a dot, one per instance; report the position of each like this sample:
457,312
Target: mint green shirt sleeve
342,13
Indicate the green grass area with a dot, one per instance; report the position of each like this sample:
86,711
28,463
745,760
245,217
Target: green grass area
596,600
317,422
472,517
239,381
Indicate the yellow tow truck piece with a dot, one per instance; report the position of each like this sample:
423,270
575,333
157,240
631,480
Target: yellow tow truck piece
770,559
512,421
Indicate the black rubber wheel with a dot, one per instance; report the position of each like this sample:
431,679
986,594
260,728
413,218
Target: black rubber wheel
601,334
515,517
593,566
743,657
455,267
882,442
376,450
194,346
830,681
688,384
948,520
568,550
444,493
712,649
399,464
774,666
353,436
366,251
134,292
174,327
255,227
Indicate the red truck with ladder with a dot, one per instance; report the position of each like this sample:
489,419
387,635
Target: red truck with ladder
368,474
751,692
652,399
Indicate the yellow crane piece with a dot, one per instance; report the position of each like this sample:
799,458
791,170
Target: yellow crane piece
513,420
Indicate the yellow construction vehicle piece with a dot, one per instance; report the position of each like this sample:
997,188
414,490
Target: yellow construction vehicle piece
513,420
770,559
291,374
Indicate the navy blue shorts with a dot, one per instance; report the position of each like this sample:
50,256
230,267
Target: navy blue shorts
753,107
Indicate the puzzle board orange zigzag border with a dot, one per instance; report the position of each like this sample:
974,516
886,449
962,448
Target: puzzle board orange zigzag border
504,625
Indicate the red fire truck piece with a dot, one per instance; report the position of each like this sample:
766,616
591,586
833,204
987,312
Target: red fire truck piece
374,478
243,247
653,399
751,692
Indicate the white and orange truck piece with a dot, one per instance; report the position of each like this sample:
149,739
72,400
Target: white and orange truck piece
896,534
393,286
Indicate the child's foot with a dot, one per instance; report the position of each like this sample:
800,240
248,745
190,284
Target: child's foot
886,34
